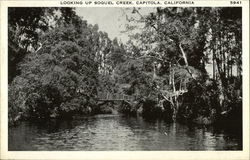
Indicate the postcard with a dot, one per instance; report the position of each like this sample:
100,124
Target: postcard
128,79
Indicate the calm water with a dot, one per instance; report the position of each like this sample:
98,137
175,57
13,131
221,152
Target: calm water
116,132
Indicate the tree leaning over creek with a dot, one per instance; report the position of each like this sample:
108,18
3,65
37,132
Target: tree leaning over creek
175,46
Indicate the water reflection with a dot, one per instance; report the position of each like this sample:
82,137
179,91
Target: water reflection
116,132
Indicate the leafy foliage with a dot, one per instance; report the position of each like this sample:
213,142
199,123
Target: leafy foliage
173,49
58,80
24,27
63,63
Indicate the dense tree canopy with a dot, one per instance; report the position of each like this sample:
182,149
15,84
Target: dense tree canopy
60,77
59,64
176,45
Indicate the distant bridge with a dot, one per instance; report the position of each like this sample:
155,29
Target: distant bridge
127,103
115,97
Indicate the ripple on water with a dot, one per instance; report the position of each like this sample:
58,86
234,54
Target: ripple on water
115,132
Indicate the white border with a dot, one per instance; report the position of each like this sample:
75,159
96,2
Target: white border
110,155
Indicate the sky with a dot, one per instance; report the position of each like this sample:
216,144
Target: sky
109,19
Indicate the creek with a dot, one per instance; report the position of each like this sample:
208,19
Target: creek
109,132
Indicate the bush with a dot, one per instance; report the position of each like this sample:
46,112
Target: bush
200,102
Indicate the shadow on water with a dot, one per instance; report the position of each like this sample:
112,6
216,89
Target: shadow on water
117,132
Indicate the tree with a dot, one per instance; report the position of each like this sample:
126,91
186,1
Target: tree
225,44
61,78
24,27
179,40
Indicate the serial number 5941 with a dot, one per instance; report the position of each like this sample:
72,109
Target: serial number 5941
235,2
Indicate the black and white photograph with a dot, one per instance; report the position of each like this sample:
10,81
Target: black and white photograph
124,79
124,76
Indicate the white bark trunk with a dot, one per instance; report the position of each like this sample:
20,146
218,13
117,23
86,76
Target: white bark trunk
183,55
186,61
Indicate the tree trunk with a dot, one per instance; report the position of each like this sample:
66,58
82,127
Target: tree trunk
175,98
221,85
186,61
